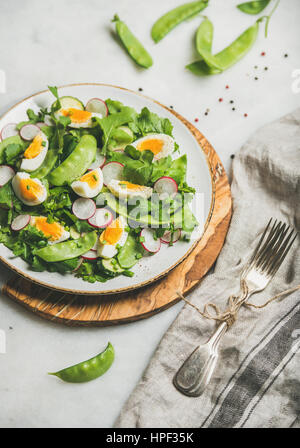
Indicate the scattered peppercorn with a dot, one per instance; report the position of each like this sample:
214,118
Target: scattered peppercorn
255,66
227,87
171,107
286,55
256,78
10,328
233,108
232,156
205,113
231,101
196,120
245,115
220,100
263,53
140,89
266,68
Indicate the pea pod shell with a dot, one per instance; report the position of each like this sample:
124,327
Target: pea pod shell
172,18
46,166
88,370
133,46
67,249
77,163
254,7
204,37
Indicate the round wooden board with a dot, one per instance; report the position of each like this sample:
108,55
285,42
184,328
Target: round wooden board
144,302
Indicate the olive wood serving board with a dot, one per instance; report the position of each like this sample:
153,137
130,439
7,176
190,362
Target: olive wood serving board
144,302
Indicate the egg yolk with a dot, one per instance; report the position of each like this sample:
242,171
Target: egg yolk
154,145
76,115
112,233
91,178
51,230
30,189
130,186
35,148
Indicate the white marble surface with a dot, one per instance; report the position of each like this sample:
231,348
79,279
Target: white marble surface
67,41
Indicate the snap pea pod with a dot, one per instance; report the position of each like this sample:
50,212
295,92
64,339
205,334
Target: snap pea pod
254,7
132,45
204,37
88,370
130,253
67,249
46,166
172,18
76,163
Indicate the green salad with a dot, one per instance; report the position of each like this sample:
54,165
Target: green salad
91,189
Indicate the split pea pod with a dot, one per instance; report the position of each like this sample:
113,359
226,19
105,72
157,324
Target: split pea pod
254,7
172,18
88,370
133,46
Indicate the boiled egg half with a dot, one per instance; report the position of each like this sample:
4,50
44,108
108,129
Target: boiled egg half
126,190
114,235
160,144
79,118
36,152
89,185
54,231
29,191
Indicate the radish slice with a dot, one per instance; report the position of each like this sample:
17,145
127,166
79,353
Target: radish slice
9,130
84,208
20,222
6,173
48,121
167,236
98,106
90,255
112,170
29,131
166,186
98,163
80,261
149,243
101,219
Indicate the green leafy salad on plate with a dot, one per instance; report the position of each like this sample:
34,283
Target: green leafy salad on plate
91,189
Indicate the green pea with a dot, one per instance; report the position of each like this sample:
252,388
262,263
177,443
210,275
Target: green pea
172,18
88,370
133,46
254,7
46,166
67,249
76,164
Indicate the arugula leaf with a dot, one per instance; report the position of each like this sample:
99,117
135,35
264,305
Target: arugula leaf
57,105
12,153
139,167
160,167
6,195
148,122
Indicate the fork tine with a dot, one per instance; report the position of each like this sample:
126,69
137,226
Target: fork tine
275,247
260,242
260,254
277,263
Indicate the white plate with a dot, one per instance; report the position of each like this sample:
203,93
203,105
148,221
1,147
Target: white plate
149,268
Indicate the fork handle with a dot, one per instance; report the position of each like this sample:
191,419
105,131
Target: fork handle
195,373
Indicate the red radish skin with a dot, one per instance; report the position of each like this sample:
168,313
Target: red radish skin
9,130
97,105
20,222
84,208
90,255
79,264
150,244
166,238
99,220
166,185
112,170
29,131
6,173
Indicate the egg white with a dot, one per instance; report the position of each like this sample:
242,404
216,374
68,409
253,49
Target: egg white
84,190
119,189
65,235
16,187
34,163
167,148
110,250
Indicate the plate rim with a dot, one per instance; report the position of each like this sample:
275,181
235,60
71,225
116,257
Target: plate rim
166,271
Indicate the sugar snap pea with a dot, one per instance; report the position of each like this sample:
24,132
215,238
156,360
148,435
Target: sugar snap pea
204,37
46,166
76,163
88,370
67,249
172,18
133,46
254,7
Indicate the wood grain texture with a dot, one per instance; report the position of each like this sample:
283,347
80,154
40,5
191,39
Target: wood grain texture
144,302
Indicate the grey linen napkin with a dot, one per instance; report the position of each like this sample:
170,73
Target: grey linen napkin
256,382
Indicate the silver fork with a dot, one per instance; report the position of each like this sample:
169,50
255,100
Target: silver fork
272,248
